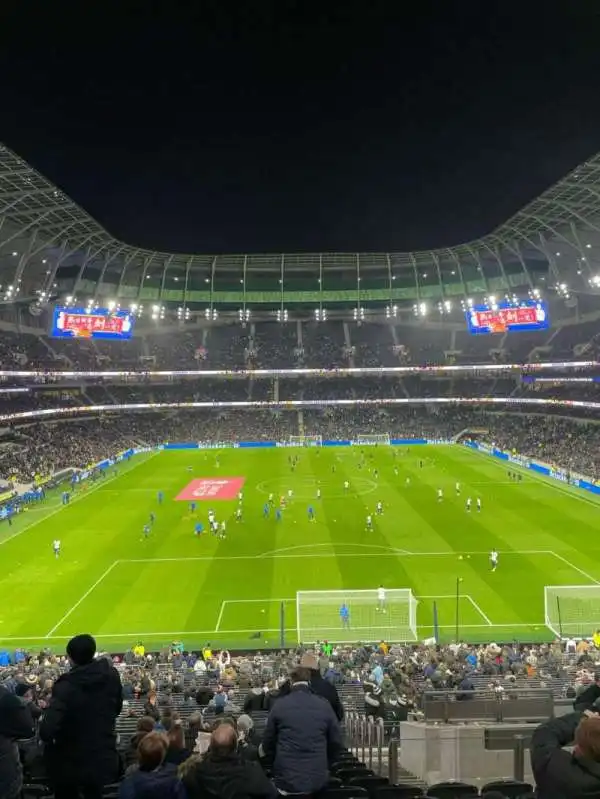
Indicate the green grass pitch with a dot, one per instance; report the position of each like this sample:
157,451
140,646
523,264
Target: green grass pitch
112,583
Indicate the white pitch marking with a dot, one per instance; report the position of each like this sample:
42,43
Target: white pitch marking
170,633
336,544
85,596
576,568
310,556
73,501
222,610
479,610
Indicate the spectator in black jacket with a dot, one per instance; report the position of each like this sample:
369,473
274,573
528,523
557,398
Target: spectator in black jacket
15,723
222,772
302,738
560,774
78,727
322,687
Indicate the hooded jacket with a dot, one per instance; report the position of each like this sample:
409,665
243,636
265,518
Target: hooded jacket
15,723
79,726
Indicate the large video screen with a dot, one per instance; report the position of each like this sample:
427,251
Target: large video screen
96,323
506,316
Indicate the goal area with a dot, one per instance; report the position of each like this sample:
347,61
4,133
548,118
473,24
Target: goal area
320,616
372,439
305,441
572,611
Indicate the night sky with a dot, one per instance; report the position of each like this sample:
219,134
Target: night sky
284,126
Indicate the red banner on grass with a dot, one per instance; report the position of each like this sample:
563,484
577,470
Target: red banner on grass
205,488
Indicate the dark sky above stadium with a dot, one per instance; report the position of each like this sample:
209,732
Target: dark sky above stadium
281,125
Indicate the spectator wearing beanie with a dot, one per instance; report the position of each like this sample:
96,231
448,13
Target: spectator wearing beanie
78,727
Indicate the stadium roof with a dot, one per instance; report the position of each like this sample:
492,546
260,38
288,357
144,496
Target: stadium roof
48,243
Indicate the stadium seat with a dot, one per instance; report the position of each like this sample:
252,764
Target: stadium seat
35,791
509,788
345,792
370,783
398,792
452,790
346,774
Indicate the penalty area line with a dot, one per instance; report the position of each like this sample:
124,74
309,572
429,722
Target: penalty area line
79,601
576,568
479,610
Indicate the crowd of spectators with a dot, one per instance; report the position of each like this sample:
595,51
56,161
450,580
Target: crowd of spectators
44,448
210,719
330,344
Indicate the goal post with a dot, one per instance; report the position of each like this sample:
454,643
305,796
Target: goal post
305,441
572,610
372,439
319,615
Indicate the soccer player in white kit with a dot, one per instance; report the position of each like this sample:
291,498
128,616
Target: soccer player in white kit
379,508
240,496
223,529
318,493
494,559
56,547
478,505
469,500
440,494
458,489
407,482
369,522
290,494
346,485
381,598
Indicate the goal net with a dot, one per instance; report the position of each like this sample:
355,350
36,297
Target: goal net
305,441
572,610
320,615
371,439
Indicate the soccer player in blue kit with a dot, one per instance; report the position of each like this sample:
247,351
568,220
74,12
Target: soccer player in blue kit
345,615
311,513
198,528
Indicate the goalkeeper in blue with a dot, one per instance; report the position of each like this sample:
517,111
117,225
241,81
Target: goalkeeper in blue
345,616
198,528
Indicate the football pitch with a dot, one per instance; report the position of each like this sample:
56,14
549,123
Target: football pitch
112,581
